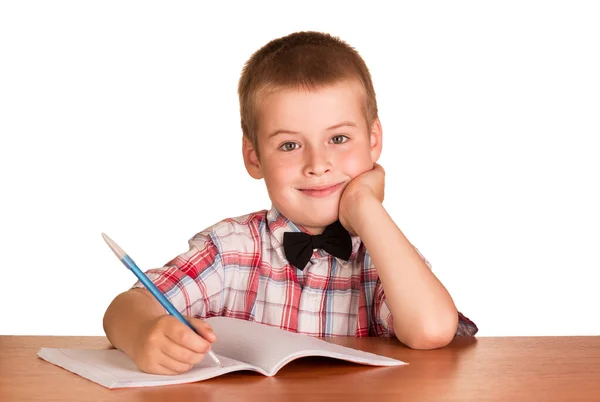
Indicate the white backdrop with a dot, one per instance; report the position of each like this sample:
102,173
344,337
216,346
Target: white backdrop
122,117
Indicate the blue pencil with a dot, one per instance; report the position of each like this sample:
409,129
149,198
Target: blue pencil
128,262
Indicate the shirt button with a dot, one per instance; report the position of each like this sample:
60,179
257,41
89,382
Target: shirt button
312,296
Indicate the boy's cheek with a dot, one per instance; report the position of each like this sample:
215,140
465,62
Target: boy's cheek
357,168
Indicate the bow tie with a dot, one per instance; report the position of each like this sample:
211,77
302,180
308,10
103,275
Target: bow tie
299,246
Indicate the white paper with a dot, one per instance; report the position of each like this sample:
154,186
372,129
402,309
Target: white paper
241,345
114,369
270,348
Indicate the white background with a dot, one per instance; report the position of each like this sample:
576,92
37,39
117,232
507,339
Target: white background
122,117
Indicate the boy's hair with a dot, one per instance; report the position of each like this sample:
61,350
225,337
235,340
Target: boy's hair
304,60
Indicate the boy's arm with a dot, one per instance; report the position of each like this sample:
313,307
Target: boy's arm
424,314
127,314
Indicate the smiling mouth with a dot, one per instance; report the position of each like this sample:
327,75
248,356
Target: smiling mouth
321,191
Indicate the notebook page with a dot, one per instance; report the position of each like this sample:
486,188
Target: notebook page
270,348
113,369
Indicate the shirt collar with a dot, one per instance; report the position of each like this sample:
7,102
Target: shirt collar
278,224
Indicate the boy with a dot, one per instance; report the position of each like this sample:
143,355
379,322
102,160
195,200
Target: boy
311,131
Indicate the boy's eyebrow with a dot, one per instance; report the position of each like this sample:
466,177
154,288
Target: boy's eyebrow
281,131
342,124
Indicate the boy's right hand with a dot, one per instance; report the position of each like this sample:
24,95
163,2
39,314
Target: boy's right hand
167,346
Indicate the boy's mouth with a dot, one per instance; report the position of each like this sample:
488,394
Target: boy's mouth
321,191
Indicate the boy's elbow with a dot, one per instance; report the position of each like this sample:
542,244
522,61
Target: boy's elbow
434,336
428,342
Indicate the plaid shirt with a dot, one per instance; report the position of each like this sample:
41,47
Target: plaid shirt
237,268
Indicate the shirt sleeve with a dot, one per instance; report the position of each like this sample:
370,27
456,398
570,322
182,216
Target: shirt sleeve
192,281
384,325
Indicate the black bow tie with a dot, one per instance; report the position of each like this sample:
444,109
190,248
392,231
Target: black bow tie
298,246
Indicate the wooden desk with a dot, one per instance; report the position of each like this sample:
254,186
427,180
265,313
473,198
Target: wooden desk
484,369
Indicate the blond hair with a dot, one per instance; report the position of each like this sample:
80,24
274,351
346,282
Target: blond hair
304,60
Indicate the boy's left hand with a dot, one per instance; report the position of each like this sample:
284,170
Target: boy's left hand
365,186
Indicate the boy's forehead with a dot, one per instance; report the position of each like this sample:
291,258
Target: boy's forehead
293,103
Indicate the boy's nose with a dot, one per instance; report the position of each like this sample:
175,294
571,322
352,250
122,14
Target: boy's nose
317,163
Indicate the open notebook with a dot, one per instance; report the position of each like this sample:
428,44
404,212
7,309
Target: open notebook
241,345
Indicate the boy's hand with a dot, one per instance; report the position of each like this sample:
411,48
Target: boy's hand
369,184
167,346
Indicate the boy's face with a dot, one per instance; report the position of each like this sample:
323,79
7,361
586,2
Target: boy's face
311,144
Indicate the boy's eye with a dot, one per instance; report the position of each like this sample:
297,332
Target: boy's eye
288,146
339,139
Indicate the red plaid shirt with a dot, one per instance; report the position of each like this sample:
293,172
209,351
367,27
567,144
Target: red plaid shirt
237,268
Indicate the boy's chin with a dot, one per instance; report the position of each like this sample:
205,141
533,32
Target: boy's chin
311,217
315,220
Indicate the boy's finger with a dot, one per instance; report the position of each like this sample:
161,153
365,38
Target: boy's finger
171,366
182,354
204,329
377,166
182,335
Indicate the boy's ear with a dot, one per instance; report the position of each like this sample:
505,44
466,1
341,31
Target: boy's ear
251,159
376,140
